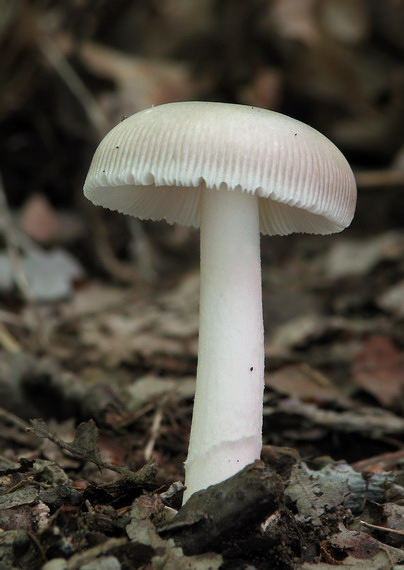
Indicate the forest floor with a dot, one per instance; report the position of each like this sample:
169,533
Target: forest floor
99,315
121,360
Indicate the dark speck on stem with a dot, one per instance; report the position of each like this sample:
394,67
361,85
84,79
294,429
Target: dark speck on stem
252,368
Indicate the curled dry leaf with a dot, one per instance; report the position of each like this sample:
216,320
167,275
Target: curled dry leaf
361,546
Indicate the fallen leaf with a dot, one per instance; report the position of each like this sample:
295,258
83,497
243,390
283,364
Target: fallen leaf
361,546
392,299
140,82
24,496
50,274
167,554
382,521
151,387
39,220
313,328
20,517
358,257
379,369
336,483
303,382
315,492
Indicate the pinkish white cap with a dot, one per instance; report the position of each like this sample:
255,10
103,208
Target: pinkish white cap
154,165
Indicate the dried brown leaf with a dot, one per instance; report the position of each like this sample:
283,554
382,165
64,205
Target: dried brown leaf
361,546
379,369
167,554
304,382
24,496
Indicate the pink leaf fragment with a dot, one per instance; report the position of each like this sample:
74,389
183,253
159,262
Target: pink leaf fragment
379,369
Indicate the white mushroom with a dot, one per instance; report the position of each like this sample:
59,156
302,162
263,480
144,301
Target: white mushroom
233,171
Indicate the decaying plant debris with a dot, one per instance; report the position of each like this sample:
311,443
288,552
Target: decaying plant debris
99,314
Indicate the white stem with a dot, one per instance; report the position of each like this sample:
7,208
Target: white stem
226,433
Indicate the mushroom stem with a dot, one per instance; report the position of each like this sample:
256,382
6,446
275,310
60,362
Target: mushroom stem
226,433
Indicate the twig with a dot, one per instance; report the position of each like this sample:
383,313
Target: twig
12,419
133,417
7,341
379,178
154,432
384,528
57,59
78,560
118,270
60,64
384,461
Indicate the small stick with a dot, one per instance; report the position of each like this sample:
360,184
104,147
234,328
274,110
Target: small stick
56,58
7,341
384,528
376,178
154,432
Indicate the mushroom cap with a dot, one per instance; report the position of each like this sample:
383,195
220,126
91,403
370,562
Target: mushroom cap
155,164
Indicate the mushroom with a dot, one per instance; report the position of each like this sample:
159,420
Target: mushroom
233,171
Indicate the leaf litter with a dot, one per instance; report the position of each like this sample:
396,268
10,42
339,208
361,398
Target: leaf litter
106,355
326,499
316,401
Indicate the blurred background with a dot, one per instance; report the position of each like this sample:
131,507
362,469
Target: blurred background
70,71
115,300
